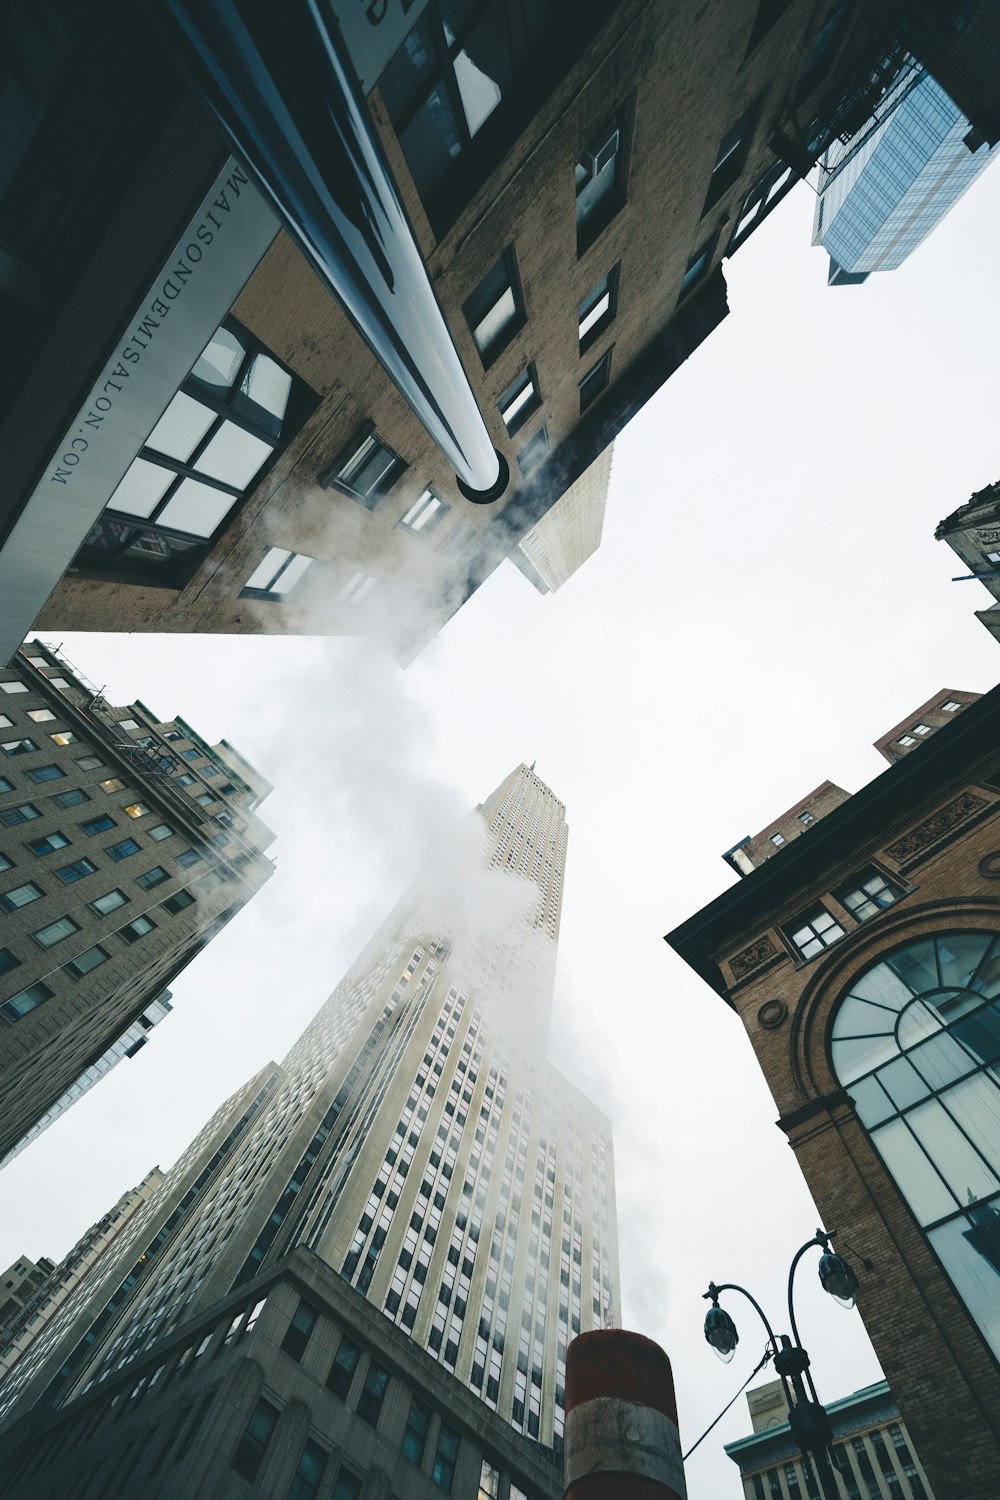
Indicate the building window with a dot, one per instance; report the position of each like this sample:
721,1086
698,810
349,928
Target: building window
533,452
75,797
765,194
697,266
49,844
342,1370
812,933
277,575
89,959
188,857
951,707
47,773
458,538
777,839
309,1472
18,747
7,961
150,878
110,902
5,785
907,740
123,850
446,1453
55,932
297,1335
177,902
373,1394
367,471
160,832
415,1436
36,715
5,863
489,1482
806,817
357,587
76,871
916,1043
425,513
186,780
98,825
595,381
253,1444
26,1001
21,895
64,737
133,931
495,311
597,310
731,157
236,410
13,687
89,763
136,809
348,1487
921,729
520,400
869,894
600,182
22,813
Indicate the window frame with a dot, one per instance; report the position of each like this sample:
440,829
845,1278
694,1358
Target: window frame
728,168
612,200
525,380
270,593
477,307
602,368
607,286
332,478
807,920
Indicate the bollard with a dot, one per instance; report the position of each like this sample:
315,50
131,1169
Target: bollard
621,1438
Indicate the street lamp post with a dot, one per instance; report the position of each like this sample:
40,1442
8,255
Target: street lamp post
807,1417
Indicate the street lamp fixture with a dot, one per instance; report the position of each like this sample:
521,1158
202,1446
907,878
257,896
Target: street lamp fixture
807,1417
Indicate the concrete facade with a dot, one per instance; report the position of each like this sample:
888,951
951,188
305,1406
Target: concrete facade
911,859
567,535
126,842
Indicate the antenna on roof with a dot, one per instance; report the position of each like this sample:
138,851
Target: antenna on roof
532,766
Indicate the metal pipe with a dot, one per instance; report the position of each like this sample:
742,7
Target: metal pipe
275,77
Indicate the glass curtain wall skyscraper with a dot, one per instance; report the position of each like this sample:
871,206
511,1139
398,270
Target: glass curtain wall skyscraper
881,194
418,1142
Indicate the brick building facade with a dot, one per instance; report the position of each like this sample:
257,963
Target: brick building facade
863,961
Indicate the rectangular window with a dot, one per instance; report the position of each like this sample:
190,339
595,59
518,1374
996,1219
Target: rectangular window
309,1472
37,716
533,452
731,157
489,1482
415,1436
97,825
5,863
495,311
367,471
869,894
951,707
137,810
90,763
7,961
348,1487
161,831
277,575
177,902
13,687
342,1370
600,182
18,747
697,266
75,797
188,857
133,931
89,959
112,785
124,850
27,1000
443,1472
55,932
297,1336
49,844
921,729
21,895
21,814
806,818
150,878
64,737
597,310
907,740
521,398
46,773
357,587
5,785
253,1444
425,513
110,902
595,381
373,1394
76,871
777,839
185,780
816,931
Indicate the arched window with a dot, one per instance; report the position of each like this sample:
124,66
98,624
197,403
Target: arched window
916,1043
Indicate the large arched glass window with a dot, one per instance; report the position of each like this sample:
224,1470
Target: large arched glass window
916,1042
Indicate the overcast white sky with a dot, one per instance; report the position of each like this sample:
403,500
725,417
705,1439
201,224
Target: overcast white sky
768,599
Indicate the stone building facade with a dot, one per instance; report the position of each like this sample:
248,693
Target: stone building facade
126,843
973,534
864,962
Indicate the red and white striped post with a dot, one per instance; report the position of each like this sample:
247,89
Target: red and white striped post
621,1438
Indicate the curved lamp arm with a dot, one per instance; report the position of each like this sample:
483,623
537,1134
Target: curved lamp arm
732,1286
820,1239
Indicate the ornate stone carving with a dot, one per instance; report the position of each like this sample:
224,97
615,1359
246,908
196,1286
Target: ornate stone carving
772,1013
989,865
934,828
751,958
987,536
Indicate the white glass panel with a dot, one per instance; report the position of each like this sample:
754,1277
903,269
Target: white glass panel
503,311
960,955
268,384
916,1022
871,1103
970,1252
523,396
181,428
968,1176
852,1057
987,981
883,987
915,964
234,456
902,1083
221,360
480,94
263,576
196,508
595,314
858,1018
142,488
941,1060
976,1106
918,1182
292,574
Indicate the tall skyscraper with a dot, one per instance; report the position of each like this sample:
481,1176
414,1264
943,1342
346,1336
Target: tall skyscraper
126,843
883,192
415,1156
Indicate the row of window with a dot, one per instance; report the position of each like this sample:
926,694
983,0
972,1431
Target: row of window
903,1482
